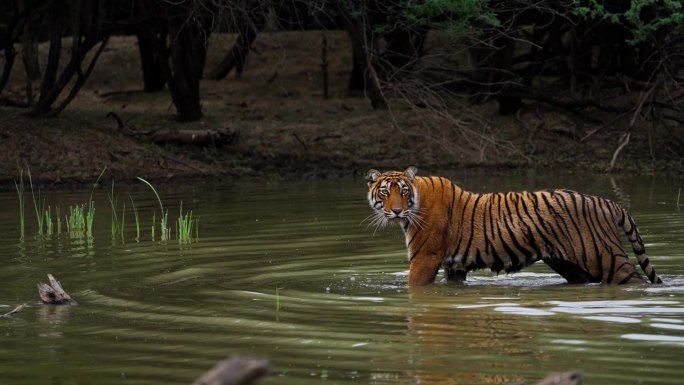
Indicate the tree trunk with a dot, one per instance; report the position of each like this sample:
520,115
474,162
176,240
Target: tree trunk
403,49
7,44
54,53
31,65
10,54
249,20
86,35
149,39
357,28
236,56
356,85
183,68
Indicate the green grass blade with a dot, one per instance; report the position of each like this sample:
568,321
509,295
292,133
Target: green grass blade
22,203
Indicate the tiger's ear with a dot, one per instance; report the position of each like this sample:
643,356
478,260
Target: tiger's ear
411,173
372,176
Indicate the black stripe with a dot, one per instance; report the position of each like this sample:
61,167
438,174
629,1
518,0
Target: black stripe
575,225
450,211
419,247
479,262
587,210
466,252
497,263
526,253
509,252
558,248
559,221
604,210
621,222
529,234
630,232
460,221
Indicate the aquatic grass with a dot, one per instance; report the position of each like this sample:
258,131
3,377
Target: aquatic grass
89,219
164,219
40,210
123,222
136,217
47,218
90,215
163,224
76,222
185,225
59,221
22,203
117,223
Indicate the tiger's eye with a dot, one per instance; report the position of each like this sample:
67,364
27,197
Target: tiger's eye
404,191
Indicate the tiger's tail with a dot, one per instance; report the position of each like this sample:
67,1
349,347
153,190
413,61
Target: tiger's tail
630,229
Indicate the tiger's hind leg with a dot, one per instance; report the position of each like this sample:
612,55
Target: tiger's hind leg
618,269
569,270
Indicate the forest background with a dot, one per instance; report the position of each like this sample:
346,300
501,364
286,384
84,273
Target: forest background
320,89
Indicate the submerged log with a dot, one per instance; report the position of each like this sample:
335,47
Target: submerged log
234,371
53,294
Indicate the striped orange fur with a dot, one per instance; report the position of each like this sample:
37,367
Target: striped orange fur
575,234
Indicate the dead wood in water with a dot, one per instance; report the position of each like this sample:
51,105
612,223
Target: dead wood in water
13,312
573,377
53,294
234,371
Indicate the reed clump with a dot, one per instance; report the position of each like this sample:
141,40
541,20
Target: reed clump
80,218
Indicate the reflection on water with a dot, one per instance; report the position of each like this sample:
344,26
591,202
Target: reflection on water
289,273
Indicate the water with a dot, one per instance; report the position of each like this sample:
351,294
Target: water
287,272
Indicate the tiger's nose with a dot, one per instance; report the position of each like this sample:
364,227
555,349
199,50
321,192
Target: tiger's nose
397,211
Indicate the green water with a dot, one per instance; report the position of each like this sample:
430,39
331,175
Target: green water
288,272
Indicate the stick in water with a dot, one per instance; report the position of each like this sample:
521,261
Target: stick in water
13,312
234,371
53,294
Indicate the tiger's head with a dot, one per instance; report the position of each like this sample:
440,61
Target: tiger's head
393,196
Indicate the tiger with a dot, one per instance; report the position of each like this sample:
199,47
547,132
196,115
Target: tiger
446,226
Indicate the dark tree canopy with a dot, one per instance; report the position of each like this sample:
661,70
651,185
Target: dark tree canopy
569,54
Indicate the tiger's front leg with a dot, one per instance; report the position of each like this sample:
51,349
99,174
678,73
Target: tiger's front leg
423,269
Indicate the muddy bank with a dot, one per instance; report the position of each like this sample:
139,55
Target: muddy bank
285,129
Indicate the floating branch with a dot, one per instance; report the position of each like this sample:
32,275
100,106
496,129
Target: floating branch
234,371
13,312
53,294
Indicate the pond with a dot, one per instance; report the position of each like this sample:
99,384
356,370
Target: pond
289,272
